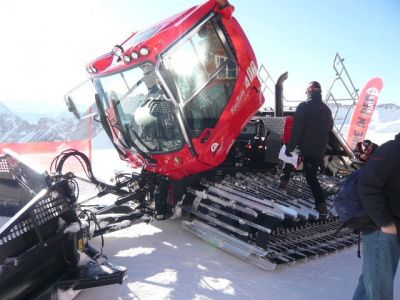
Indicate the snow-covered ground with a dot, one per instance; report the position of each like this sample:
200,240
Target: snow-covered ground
166,262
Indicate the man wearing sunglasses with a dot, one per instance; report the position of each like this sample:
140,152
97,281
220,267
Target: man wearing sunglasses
364,150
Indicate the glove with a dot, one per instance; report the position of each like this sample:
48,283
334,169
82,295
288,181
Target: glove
288,153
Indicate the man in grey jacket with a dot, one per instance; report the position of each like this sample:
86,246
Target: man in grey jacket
312,124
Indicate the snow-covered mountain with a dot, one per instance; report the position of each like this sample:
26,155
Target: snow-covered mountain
15,128
384,125
166,262
386,112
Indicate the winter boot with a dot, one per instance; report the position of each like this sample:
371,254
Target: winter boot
322,210
283,186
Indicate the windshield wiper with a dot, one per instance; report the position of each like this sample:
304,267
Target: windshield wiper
128,140
106,123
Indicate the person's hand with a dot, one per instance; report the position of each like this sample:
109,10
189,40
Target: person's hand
222,2
391,229
288,153
363,156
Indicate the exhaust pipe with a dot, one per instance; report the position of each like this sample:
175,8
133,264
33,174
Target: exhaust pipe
278,95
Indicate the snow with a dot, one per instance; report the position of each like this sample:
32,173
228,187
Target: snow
11,260
166,262
4,109
383,126
66,294
84,259
72,228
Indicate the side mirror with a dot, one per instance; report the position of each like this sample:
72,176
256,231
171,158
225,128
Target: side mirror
97,118
72,108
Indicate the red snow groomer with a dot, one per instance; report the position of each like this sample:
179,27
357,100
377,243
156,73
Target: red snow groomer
181,101
176,96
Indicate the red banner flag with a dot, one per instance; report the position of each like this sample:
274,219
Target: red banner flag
363,111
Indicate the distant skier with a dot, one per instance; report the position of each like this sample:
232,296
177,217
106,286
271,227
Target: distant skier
312,124
364,150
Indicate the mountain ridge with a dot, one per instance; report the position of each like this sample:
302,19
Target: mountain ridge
15,129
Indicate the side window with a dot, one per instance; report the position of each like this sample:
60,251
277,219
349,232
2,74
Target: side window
229,69
204,76
187,71
204,110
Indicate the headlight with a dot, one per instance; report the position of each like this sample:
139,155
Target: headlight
134,55
127,58
118,50
144,51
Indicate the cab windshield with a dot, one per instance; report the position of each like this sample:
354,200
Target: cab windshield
199,72
144,115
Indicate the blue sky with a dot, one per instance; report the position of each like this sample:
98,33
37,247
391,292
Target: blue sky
46,44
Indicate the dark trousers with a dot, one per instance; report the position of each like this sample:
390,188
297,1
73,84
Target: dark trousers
287,172
310,167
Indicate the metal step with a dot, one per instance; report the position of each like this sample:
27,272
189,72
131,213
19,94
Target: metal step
282,249
253,254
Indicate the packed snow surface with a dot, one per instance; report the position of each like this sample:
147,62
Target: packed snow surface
165,261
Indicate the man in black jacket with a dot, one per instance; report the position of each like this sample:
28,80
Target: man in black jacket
379,190
312,125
